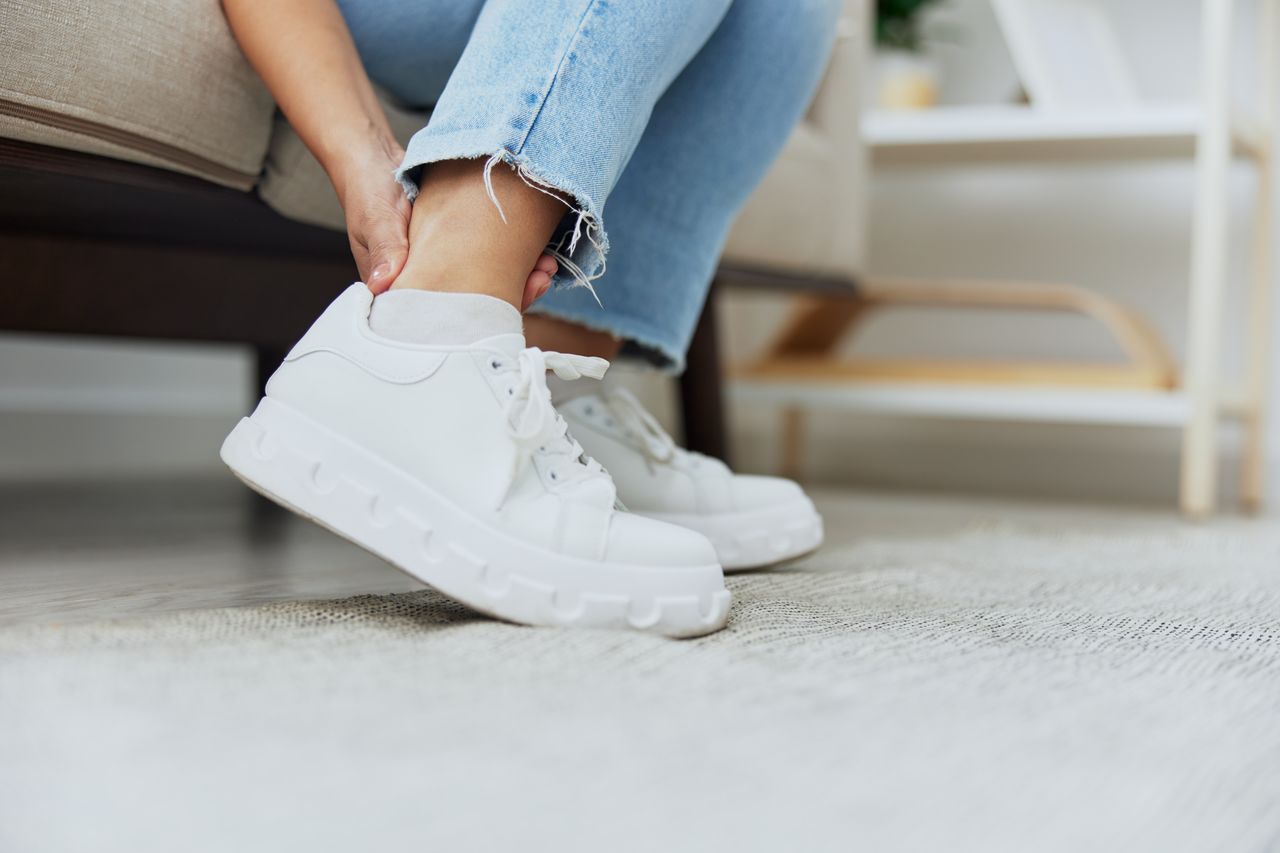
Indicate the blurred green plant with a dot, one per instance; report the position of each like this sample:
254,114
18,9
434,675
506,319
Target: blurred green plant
898,23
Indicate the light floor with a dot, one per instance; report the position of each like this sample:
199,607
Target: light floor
76,553
80,552
945,674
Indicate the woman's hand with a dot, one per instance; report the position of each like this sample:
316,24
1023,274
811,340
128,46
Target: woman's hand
377,214
303,52
539,280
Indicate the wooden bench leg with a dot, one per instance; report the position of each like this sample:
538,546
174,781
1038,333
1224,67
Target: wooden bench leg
266,358
266,517
702,388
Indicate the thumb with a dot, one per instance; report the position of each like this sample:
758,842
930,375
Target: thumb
388,249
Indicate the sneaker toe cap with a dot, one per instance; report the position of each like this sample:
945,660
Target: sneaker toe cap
637,540
757,492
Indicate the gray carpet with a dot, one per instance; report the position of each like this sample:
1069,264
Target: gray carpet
947,675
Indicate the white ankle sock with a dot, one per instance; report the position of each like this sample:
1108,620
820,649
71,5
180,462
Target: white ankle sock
447,319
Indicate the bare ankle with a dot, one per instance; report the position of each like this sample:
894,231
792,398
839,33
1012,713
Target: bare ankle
552,333
458,240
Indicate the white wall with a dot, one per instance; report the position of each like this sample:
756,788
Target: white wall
75,407
98,408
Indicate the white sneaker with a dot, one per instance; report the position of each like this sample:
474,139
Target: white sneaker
452,464
752,521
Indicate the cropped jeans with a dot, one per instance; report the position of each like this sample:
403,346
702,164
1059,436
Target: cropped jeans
665,112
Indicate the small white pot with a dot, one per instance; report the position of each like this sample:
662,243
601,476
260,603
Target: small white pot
905,80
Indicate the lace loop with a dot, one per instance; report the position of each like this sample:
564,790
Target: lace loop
531,418
656,443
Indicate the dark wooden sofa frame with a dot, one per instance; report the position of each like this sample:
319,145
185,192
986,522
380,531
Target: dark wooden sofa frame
91,245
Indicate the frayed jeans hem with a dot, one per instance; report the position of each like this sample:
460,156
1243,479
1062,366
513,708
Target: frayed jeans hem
580,251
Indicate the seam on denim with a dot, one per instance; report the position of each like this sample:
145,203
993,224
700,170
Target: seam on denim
555,75
587,223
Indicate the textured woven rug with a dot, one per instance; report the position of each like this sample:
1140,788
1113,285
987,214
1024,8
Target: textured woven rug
945,676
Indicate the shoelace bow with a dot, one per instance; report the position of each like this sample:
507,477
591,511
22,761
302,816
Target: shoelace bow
532,420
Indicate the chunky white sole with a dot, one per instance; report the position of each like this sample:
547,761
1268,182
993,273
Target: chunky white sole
758,537
335,482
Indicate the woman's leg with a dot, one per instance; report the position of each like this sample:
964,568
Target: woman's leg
418,424
459,243
411,49
561,90
710,140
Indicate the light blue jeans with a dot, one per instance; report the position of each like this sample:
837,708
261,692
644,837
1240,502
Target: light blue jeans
669,111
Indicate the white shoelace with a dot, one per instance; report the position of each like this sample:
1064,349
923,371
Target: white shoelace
636,421
533,421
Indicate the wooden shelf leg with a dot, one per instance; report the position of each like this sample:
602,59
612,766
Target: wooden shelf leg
1208,266
792,443
1253,451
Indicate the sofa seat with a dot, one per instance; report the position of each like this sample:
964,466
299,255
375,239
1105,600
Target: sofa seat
163,83
162,86
158,82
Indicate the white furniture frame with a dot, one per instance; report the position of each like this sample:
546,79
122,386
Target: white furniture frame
1197,400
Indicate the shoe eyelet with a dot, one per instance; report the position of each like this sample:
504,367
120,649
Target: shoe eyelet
553,475
495,364
510,391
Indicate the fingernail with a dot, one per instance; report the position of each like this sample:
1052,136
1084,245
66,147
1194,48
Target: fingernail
381,271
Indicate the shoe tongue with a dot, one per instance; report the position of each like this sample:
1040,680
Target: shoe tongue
511,344
599,490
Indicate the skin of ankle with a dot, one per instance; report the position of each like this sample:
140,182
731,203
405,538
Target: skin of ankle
458,241
552,333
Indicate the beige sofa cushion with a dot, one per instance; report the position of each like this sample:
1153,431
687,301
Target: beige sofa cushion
294,184
789,222
160,82
808,217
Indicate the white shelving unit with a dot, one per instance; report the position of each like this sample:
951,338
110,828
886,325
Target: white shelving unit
1212,134
984,134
